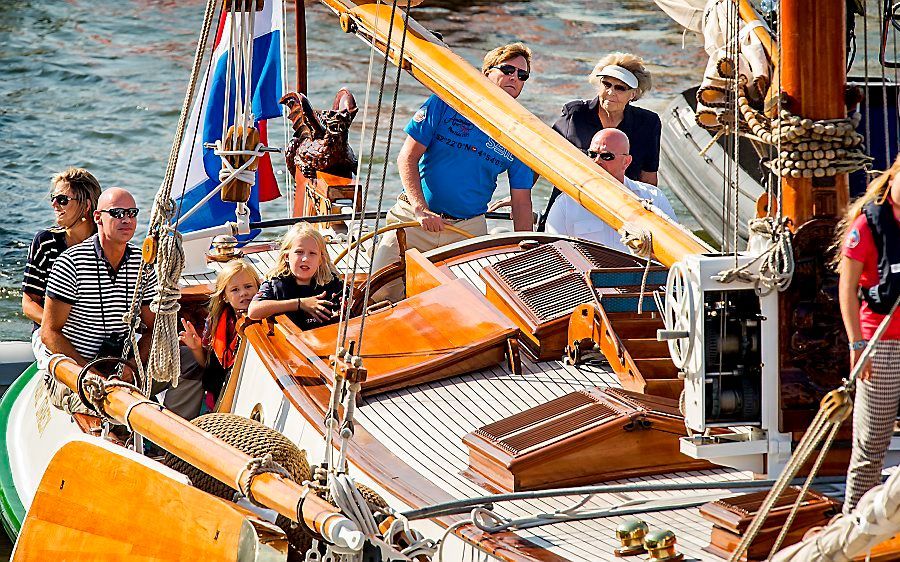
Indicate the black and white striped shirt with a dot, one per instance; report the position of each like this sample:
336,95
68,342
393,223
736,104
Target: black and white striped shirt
99,294
46,246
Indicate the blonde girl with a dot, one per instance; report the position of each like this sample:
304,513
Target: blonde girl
214,353
304,284
869,267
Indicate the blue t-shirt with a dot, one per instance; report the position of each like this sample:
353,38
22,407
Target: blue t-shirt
461,163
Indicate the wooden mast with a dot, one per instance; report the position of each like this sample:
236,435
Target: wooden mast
812,346
813,79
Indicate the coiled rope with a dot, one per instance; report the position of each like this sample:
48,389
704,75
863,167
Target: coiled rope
164,364
776,264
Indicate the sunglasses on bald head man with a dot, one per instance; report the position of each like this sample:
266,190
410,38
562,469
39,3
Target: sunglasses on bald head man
509,70
121,213
605,155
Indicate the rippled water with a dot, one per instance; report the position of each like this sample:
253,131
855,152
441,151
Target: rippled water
100,84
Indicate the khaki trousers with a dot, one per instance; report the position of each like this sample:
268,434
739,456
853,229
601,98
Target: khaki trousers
388,250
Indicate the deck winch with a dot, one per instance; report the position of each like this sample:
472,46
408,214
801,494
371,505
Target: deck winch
724,338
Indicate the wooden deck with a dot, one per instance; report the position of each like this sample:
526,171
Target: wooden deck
424,426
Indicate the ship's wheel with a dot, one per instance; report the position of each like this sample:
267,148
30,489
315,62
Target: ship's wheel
679,316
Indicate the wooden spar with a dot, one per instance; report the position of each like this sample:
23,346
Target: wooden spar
215,457
466,90
749,16
813,78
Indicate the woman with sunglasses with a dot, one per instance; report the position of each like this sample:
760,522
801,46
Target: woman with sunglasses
73,198
620,78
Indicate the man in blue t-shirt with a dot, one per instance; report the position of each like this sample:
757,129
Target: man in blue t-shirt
449,169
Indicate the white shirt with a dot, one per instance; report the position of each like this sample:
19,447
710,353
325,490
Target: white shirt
568,217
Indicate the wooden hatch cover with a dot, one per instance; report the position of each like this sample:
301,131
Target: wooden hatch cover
581,438
539,289
732,516
444,331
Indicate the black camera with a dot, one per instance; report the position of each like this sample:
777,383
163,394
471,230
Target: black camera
112,345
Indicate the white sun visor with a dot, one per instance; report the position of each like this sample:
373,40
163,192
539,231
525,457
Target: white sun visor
622,73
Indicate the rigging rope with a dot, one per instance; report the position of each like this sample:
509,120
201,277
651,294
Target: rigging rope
164,362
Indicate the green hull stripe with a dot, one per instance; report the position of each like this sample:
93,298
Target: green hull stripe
12,512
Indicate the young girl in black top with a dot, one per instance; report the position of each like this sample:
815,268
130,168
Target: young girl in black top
304,284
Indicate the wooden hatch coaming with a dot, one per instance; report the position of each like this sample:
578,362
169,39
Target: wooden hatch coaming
299,382
731,517
445,331
582,438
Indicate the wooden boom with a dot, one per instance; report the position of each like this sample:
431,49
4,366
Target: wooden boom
499,115
216,458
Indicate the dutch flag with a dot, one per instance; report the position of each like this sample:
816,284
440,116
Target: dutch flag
198,167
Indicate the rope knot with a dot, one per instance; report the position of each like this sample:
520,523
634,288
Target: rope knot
253,468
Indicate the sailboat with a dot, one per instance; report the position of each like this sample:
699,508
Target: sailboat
533,397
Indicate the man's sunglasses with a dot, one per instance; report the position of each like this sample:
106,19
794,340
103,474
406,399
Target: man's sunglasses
62,199
121,213
616,87
593,154
509,70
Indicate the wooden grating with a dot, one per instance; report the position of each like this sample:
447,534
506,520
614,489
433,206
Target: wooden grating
601,258
542,426
557,297
736,513
534,267
651,404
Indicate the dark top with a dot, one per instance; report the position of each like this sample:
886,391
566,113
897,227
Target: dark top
579,123
45,247
286,287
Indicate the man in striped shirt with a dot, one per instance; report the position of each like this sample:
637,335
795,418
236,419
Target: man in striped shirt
90,288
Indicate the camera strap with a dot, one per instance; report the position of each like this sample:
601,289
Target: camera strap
124,267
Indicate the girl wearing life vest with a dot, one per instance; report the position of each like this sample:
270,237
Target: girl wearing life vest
869,285
215,352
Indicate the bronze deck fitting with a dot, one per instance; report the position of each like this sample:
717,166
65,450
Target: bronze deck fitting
631,532
661,546
224,248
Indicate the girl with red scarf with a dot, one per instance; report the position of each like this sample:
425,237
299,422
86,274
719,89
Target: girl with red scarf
236,284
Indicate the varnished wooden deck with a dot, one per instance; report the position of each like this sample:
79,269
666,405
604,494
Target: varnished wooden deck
424,426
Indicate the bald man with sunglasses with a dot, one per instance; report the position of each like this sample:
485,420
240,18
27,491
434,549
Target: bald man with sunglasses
609,148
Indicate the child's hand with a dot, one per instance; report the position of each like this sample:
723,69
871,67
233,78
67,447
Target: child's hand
189,336
319,307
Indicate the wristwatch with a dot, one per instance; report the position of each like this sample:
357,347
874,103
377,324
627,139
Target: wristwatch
858,345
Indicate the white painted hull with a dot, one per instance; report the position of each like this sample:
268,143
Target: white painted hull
256,388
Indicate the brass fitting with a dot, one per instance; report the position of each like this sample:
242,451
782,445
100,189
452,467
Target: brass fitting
661,546
631,533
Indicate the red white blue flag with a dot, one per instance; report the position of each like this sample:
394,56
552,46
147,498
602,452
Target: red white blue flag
197,172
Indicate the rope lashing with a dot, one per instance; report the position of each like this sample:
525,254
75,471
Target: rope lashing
243,482
93,390
776,264
246,172
809,148
640,242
